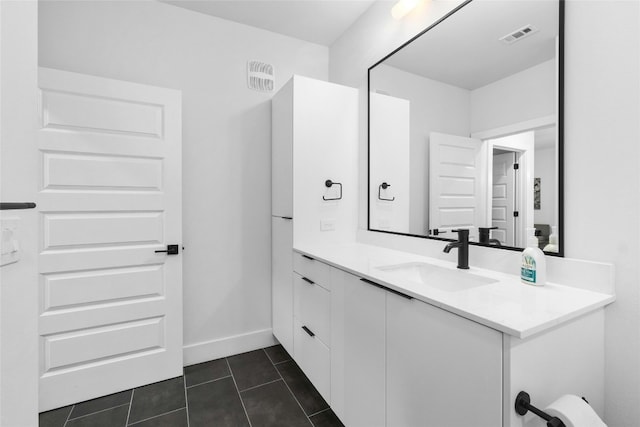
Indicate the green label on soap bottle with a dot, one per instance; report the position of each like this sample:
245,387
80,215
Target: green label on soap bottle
528,275
528,270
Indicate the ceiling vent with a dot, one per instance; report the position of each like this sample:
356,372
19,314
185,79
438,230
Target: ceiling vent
260,76
519,34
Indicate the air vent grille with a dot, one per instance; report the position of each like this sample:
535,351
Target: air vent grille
519,34
260,76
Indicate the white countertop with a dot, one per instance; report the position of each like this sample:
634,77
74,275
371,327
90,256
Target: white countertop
507,305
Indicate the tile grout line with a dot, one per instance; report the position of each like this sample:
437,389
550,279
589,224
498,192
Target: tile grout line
294,397
259,385
246,414
133,390
155,416
271,360
268,357
68,415
97,412
205,382
319,412
186,396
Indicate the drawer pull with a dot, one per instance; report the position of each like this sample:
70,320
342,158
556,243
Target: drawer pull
309,281
393,291
308,331
308,257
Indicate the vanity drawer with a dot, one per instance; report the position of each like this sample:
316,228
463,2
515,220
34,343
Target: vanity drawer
314,358
312,307
316,271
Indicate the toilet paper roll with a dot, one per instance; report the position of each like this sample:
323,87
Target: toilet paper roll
574,412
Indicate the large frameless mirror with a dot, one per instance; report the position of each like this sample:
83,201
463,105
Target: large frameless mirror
465,127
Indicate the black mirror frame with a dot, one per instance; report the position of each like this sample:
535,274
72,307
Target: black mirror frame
560,126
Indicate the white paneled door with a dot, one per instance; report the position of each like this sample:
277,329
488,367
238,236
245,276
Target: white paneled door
457,183
110,197
503,198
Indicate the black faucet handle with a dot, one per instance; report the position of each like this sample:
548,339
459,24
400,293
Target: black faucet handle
462,232
437,232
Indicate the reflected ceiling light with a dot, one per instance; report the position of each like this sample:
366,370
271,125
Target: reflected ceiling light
403,7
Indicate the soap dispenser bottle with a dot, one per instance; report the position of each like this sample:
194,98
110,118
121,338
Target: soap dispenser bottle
533,270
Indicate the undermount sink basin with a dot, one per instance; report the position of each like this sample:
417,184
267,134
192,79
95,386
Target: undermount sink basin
438,277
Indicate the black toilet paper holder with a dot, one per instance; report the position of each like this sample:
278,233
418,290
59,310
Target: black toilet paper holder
523,405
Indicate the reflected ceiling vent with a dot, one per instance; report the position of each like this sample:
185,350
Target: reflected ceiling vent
519,34
260,76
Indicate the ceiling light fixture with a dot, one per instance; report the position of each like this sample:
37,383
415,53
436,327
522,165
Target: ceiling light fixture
403,7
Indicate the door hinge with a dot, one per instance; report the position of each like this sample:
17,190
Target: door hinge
516,166
516,213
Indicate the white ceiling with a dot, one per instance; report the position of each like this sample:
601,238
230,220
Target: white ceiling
317,21
465,51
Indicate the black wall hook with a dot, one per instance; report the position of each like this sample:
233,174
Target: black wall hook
523,406
328,183
381,187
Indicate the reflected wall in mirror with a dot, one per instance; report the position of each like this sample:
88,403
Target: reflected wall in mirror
464,119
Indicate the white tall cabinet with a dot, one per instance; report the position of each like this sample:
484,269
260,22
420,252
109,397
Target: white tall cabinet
314,139
282,217
282,280
390,136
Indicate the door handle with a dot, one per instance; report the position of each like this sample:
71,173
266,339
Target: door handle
171,250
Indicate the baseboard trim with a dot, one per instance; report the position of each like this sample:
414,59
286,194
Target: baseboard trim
227,346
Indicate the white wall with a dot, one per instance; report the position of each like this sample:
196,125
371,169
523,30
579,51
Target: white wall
602,215
226,143
529,94
19,304
602,106
435,107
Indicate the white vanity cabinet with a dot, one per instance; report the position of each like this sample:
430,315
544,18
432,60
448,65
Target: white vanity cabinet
312,321
382,358
442,370
357,351
282,280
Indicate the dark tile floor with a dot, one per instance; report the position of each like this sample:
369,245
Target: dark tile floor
255,389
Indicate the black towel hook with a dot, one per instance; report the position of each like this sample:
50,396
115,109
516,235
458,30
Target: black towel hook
328,183
381,187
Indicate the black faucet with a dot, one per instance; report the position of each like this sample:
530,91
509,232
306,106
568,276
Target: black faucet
463,248
483,234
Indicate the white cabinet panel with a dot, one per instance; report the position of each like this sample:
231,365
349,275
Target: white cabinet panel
442,370
325,147
314,359
282,152
357,351
282,281
312,306
312,269
390,135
